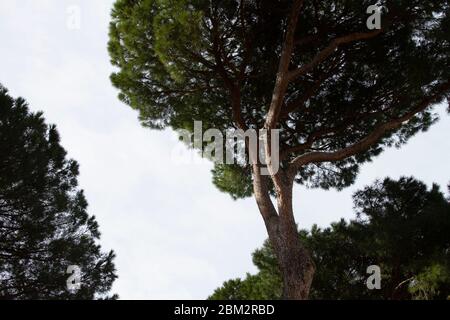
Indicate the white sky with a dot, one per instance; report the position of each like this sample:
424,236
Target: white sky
175,235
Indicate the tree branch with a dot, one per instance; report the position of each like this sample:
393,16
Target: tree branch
325,53
369,140
262,196
233,89
310,91
282,81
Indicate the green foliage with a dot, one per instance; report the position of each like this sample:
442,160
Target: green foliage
232,179
266,285
401,226
427,285
180,60
174,20
44,225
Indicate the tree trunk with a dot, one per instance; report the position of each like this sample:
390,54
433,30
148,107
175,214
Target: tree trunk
294,260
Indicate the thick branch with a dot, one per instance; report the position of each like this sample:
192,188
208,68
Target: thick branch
282,81
262,196
326,132
369,140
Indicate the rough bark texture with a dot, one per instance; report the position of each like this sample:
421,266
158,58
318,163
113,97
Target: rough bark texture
295,262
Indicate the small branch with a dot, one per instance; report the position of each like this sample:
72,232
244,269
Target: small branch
403,282
300,101
233,89
329,50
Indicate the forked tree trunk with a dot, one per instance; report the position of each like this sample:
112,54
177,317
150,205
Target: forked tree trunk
294,260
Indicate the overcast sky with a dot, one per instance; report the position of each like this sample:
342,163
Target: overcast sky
175,235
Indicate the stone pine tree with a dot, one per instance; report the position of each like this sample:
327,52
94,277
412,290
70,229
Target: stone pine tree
339,92
44,225
401,226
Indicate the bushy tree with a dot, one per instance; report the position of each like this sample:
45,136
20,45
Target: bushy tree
338,92
44,225
401,227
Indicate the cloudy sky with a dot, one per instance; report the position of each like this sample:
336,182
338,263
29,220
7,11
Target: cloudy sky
175,235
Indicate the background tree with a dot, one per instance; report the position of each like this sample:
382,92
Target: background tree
44,226
339,93
401,227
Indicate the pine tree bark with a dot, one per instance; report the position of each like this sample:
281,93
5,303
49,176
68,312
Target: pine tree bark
295,262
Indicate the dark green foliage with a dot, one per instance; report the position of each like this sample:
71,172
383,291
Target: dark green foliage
401,226
44,225
265,285
185,60
232,179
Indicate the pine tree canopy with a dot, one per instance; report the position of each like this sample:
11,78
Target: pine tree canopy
339,92
44,225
